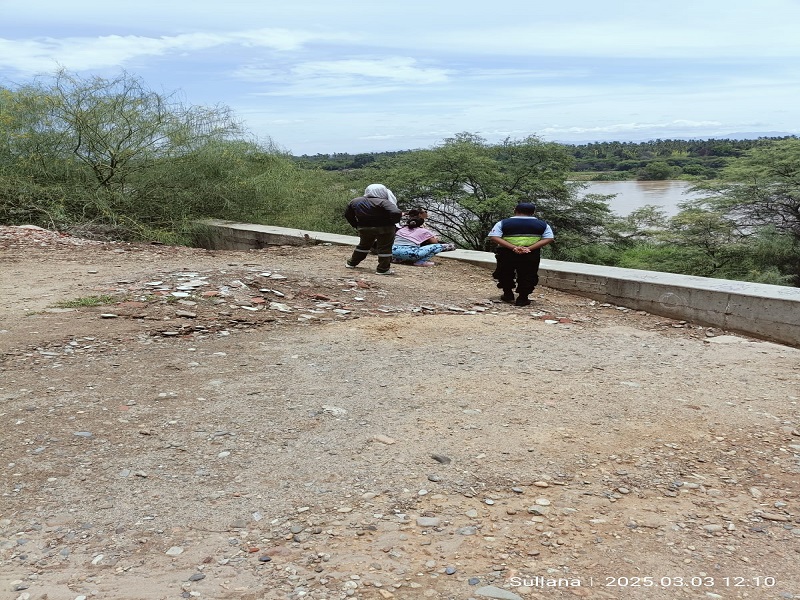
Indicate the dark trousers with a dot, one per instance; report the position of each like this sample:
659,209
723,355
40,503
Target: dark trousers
513,269
382,237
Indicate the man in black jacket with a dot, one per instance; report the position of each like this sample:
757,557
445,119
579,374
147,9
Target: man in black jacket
374,215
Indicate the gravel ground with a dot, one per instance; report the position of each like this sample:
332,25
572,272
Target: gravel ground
268,424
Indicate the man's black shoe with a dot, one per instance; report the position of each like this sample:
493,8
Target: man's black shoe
507,296
522,301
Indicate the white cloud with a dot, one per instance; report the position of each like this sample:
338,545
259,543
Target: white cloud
401,70
350,77
621,38
630,127
86,53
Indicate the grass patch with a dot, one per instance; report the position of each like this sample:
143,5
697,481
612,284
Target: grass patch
87,301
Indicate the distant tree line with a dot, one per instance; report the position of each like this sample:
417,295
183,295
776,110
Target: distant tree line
112,158
603,161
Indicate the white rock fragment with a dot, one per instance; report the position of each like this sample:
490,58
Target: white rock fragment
383,439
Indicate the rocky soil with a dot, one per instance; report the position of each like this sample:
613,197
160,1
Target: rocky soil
182,423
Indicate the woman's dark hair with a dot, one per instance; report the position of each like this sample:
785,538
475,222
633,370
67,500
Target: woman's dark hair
414,218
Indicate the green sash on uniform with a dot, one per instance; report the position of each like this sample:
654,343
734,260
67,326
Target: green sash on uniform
522,240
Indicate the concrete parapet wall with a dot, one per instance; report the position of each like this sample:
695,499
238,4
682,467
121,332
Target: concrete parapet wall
769,312
229,235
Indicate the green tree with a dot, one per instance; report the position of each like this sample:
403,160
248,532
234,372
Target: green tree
761,191
101,143
642,224
707,238
655,170
763,188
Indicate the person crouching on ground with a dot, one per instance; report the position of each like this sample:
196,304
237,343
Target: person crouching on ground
375,215
519,242
416,244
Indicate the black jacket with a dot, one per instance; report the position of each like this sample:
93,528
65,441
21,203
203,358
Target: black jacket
372,212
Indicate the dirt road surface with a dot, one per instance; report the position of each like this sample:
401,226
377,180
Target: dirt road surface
183,423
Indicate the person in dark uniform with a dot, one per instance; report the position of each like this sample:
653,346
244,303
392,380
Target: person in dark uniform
519,241
375,215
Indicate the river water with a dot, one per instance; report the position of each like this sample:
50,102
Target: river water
631,195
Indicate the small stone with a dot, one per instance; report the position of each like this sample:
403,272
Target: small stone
450,570
467,530
264,558
774,517
280,307
383,439
441,458
491,591
538,510
428,521
174,551
197,577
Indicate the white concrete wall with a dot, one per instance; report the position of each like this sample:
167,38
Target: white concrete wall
770,312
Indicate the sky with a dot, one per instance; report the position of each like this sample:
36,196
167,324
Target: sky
319,77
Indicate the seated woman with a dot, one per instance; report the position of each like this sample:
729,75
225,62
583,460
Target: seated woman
414,244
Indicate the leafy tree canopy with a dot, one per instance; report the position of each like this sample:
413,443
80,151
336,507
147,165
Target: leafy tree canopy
763,188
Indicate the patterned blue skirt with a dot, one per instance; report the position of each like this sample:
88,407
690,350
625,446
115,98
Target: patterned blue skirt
415,254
